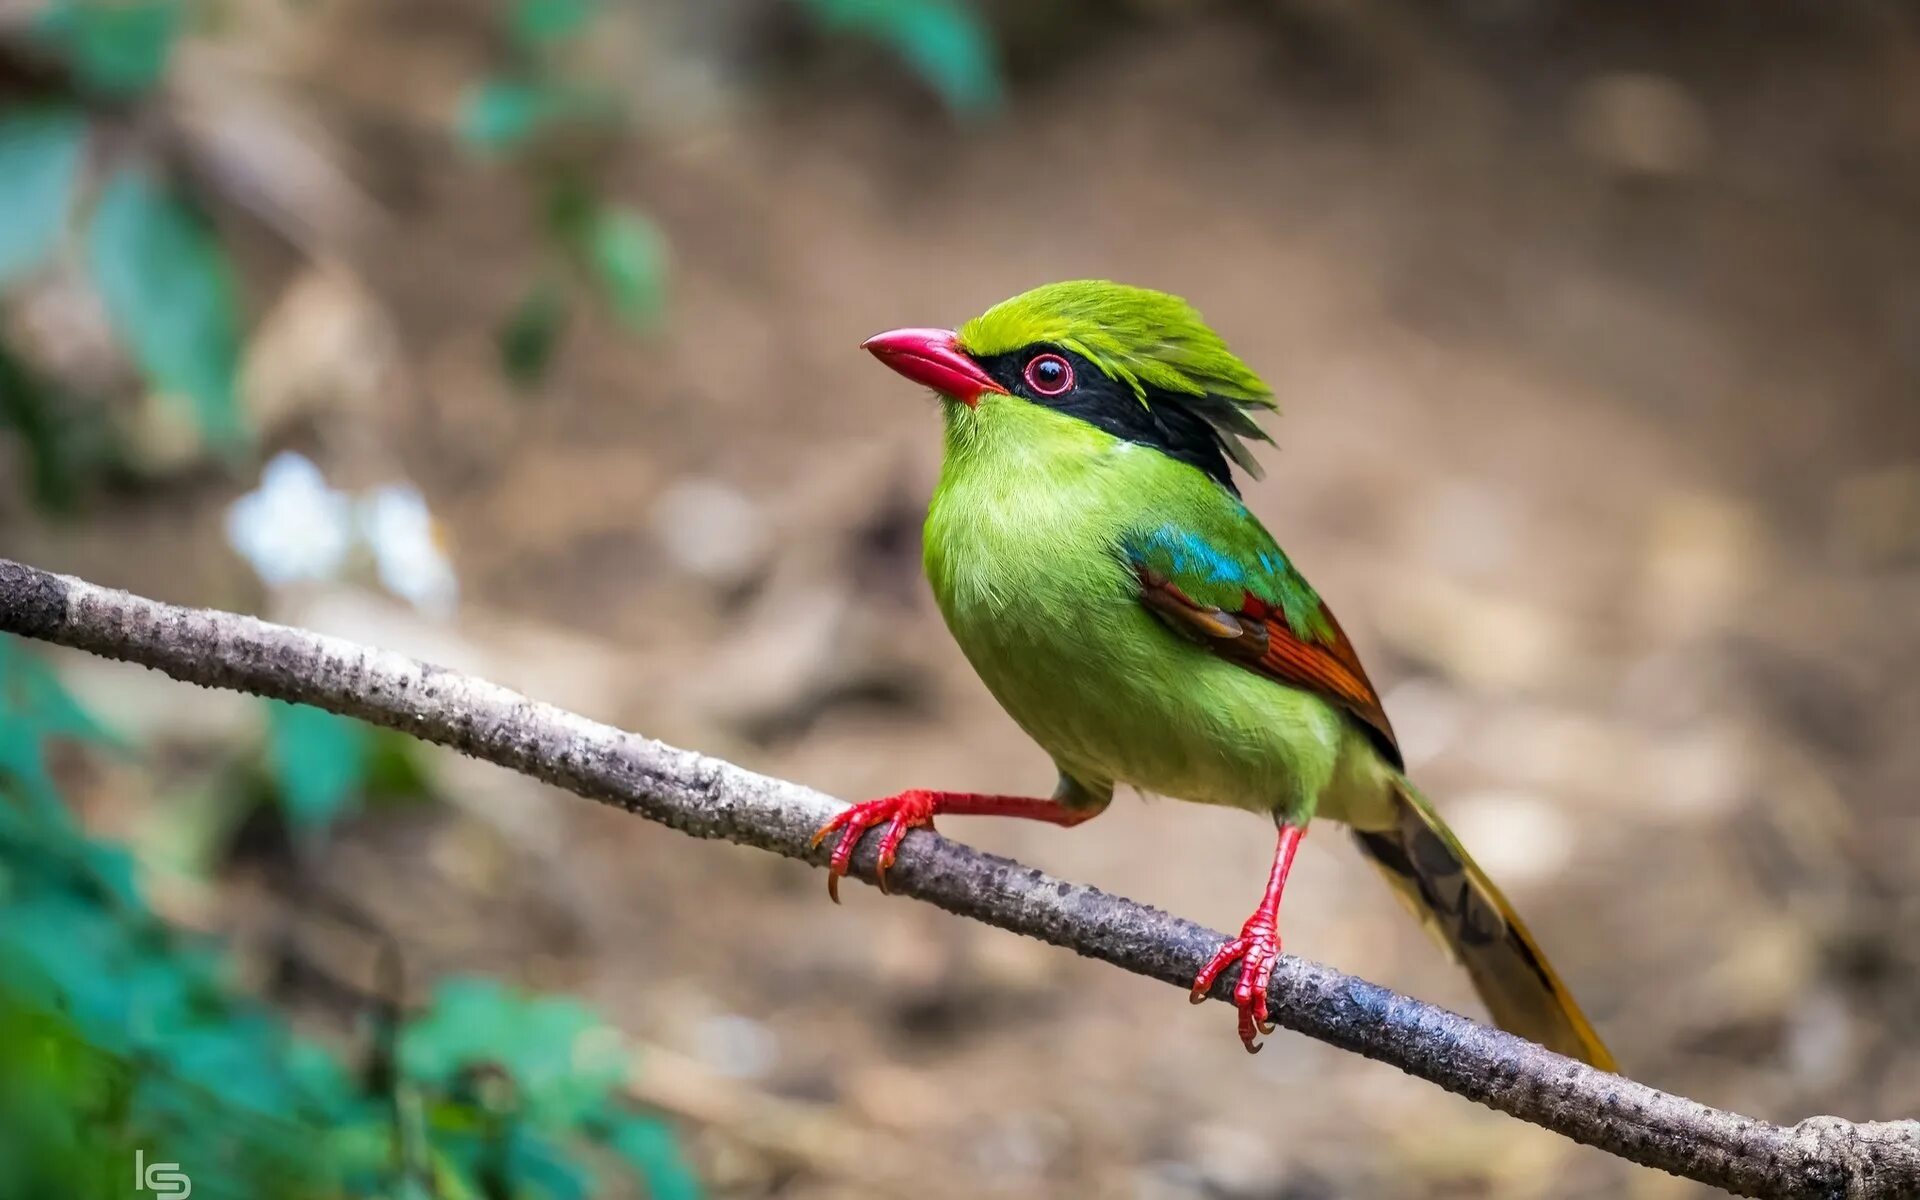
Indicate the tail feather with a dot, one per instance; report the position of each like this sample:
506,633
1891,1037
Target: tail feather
1456,902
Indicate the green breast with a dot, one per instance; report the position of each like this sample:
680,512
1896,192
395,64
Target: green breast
1022,550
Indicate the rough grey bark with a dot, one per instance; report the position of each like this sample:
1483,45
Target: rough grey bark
708,798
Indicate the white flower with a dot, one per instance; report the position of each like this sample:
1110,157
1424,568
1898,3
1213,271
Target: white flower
295,528
406,548
292,527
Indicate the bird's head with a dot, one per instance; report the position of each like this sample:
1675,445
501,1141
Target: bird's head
1138,364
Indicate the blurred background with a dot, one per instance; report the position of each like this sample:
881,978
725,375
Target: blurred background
522,336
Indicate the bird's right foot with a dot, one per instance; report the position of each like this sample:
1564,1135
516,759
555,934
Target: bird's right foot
1256,950
908,810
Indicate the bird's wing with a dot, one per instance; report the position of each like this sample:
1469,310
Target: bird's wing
1221,581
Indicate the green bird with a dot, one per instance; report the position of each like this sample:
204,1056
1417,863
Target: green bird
1089,551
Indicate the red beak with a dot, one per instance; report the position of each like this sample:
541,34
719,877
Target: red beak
933,357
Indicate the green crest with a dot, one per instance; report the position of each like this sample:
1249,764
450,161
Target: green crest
1155,343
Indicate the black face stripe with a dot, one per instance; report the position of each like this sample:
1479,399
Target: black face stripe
1164,423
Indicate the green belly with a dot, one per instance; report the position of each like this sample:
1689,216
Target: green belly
1117,697
1022,551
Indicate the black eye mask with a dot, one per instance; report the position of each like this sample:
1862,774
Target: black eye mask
1167,422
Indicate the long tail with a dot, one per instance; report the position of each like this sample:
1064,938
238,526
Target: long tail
1458,904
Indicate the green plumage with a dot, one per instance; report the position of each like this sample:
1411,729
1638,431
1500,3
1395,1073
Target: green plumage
1030,540
1027,550
1225,555
1039,540
1147,340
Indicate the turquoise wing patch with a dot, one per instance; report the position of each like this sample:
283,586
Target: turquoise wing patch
1227,571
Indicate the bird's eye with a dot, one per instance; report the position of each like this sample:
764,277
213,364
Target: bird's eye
1049,374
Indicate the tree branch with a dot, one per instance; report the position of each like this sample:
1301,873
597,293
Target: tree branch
707,798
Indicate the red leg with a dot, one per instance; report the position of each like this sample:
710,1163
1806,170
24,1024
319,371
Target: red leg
917,807
1256,949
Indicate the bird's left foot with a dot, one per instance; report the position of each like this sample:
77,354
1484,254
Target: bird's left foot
1256,950
899,813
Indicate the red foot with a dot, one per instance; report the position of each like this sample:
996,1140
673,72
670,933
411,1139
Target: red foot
899,813
1256,950
916,807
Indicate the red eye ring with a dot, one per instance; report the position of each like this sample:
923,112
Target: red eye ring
1049,375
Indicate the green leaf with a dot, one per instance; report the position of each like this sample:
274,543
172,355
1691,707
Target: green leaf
118,1032
318,761
397,771
500,114
111,869
944,41
81,951
544,1169
557,1052
326,1086
169,293
650,1148
23,768
952,51
466,1017
119,47
541,23
40,161
66,443
531,334
30,692
34,706
628,259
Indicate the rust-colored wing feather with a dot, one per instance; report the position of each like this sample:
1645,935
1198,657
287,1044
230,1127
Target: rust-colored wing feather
1257,636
